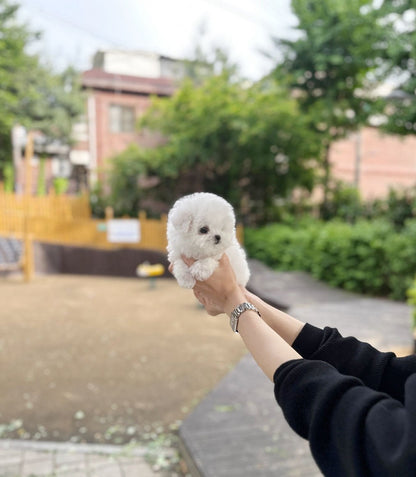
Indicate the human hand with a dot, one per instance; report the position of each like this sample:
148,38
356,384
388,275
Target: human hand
220,293
209,306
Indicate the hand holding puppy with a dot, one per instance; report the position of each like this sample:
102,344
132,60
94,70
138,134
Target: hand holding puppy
219,293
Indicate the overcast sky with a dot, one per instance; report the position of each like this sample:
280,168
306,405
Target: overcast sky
74,29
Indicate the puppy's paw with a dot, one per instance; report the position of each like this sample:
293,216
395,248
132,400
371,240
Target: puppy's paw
186,281
183,275
203,269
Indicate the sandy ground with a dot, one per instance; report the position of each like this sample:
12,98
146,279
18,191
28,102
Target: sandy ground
105,360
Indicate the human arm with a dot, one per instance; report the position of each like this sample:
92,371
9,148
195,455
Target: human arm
352,429
379,370
221,293
282,323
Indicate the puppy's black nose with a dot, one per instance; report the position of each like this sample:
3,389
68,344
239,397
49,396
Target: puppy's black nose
217,239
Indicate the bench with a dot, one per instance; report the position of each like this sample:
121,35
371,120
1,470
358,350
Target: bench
15,255
11,254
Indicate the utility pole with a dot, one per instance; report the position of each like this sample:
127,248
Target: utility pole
28,164
358,157
27,238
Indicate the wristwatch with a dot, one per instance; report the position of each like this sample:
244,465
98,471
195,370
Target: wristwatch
237,312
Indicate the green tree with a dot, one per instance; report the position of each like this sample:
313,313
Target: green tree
30,94
13,60
401,111
248,144
52,101
333,63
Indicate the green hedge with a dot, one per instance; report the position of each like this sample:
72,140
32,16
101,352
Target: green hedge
366,257
411,295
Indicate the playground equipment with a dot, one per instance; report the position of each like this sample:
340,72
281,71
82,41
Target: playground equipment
146,270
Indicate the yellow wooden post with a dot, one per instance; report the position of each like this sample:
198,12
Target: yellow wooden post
28,260
240,234
109,213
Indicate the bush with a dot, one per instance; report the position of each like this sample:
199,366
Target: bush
367,257
401,259
60,184
281,246
344,202
411,295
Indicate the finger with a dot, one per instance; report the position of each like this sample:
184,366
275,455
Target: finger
224,259
189,261
199,297
171,268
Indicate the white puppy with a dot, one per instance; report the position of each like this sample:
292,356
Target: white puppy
202,226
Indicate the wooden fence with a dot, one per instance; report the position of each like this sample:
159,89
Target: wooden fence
67,220
48,206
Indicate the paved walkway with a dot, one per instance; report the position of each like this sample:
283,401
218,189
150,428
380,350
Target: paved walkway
238,430
49,459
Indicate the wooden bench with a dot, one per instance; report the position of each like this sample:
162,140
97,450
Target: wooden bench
15,255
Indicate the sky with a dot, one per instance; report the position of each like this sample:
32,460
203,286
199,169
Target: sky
73,30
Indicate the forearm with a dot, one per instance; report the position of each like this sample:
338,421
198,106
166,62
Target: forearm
282,323
267,348
379,370
352,429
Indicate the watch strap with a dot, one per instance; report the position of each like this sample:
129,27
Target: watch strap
238,311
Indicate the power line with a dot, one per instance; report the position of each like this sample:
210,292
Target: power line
241,13
72,24
248,16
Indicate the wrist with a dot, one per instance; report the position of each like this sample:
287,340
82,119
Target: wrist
243,308
235,298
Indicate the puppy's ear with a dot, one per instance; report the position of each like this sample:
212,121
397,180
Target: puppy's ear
182,220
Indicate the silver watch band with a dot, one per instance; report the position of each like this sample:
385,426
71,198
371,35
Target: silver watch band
238,311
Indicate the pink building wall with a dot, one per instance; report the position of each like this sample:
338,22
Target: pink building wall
386,161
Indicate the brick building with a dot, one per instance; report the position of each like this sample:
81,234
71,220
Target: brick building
375,162
119,88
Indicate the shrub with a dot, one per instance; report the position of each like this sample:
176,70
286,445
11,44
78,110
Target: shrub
401,259
411,295
367,257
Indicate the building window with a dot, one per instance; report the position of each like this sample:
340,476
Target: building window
122,119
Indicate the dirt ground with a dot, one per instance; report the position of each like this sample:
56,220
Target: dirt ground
105,360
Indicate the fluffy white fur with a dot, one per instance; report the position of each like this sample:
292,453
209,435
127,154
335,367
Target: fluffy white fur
202,226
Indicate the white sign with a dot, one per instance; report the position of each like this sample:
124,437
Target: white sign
123,231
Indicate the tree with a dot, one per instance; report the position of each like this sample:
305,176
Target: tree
13,59
248,144
52,102
401,110
30,94
332,65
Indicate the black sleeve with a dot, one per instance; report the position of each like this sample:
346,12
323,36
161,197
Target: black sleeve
380,371
352,429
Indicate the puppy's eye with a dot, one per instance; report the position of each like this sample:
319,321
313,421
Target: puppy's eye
204,230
